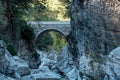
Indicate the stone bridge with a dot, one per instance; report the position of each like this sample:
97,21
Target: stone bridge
41,26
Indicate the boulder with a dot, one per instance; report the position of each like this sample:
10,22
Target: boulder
3,77
12,66
63,60
42,74
28,77
42,54
72,75
5,57
6,60
45,61
44,68
21,66
91,68
66,65
52,55
112,66
46,76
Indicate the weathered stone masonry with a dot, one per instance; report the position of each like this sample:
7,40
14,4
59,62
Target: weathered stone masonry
42,26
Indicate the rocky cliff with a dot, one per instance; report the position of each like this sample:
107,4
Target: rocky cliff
95,24
89,55
95,32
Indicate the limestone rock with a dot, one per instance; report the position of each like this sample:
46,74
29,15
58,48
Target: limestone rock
44,68
72,75
41,54
17,68
12,66
112,67
91,69
3,77
95,30
52,56
63,60
66,65
21,66
39,74
5,60
27,77
46,76
45,61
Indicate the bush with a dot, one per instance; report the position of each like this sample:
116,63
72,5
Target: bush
12,50
27,32
44,41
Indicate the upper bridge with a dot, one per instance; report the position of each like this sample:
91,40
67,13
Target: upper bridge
42,26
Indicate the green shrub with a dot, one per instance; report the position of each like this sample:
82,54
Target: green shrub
44,41
27,32
12,50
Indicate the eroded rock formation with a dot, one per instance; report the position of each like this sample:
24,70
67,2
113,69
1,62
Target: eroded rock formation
95,25
95,31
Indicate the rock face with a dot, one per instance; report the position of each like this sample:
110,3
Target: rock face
95,26
12,66
95,31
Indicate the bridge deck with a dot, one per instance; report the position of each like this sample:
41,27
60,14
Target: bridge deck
49,22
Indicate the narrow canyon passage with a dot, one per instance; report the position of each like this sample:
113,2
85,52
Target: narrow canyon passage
60,40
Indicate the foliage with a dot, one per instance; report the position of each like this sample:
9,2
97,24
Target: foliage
51,40
58,40
12,50
35,55
27,32
12,28
66,3
35,10
47,10
44,41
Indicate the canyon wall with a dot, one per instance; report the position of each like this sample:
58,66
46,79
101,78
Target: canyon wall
95,26
95,31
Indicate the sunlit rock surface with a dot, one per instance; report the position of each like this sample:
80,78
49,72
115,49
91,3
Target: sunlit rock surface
112,67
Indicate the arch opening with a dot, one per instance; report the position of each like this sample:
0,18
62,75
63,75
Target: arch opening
49,40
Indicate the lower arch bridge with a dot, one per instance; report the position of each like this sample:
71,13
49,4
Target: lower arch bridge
41,26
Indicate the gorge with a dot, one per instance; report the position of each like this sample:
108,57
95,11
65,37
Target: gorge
92,52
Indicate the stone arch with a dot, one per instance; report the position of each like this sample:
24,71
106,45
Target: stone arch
60,26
